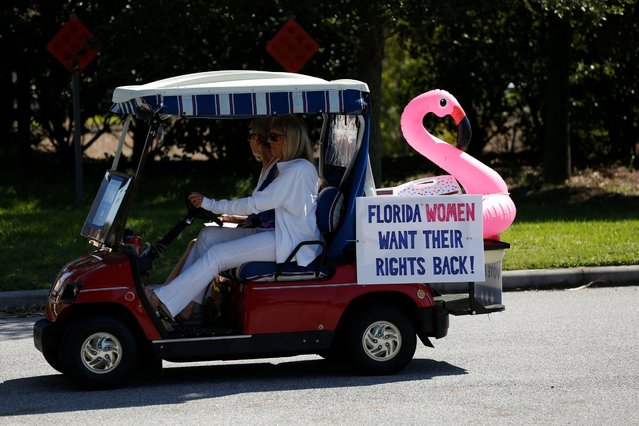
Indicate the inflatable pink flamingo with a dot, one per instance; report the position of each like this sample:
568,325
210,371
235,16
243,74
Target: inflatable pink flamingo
473,175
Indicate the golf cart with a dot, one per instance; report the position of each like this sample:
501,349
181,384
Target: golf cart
100,328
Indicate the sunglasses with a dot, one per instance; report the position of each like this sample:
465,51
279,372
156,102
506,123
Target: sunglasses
275,137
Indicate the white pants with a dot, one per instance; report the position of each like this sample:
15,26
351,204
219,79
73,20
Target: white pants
217,249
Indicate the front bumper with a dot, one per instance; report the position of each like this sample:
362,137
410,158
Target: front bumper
46,335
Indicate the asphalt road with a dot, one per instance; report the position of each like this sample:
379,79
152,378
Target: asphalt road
560,357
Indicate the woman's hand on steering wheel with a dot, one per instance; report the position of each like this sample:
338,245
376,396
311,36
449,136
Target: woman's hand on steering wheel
194,207
196,199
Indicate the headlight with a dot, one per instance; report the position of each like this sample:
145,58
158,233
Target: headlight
56,289
64,292
70,292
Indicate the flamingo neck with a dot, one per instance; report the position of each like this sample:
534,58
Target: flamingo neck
473,175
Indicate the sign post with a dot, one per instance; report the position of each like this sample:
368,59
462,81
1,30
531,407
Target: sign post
77,139
74,46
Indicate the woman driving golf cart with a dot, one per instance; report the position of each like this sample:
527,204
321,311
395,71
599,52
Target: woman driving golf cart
261,149
292,195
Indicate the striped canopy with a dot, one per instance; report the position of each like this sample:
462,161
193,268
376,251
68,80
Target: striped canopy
223,94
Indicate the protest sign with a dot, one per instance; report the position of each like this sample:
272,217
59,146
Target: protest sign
420,239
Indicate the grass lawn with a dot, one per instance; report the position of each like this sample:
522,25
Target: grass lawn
591,221
580,224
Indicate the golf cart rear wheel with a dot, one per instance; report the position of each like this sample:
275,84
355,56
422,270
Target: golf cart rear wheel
380,340
98,352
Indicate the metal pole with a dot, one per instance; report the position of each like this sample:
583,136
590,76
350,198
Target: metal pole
118,151
77,139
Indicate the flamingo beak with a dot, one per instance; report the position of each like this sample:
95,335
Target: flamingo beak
464,132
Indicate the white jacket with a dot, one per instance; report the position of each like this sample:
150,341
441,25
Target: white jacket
293,196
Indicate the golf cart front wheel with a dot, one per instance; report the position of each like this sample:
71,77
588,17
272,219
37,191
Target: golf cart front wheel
98,352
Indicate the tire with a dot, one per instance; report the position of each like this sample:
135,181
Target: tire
148,363
52,356
332,355
98,352
380,340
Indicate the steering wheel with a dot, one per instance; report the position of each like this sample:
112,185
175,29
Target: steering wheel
199,212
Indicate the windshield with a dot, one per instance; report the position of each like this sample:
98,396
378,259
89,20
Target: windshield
106,206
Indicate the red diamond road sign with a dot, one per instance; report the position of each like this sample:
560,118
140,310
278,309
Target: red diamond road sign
74,46
292,47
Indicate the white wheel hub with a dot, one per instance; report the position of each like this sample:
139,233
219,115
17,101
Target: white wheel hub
382,341
101,352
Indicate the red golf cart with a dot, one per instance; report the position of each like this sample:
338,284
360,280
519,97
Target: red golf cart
100,328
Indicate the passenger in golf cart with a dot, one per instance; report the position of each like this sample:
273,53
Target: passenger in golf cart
292,195
261,150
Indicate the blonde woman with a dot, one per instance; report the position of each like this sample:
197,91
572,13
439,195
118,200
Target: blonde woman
261,149
292,195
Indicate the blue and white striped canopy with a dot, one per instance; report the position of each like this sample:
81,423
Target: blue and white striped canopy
223,94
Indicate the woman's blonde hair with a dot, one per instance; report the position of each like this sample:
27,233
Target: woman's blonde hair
296,141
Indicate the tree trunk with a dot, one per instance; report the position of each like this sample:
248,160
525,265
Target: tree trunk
6,117
556,165
370,57
23,116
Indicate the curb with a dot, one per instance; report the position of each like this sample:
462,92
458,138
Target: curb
21,298
22,303
547,279
558,279
531,279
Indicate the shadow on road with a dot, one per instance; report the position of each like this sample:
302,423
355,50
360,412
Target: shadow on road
178,384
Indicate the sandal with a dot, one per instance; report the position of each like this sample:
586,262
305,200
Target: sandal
186,313
164,313
153,298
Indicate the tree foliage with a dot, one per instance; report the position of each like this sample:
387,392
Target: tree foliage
542,78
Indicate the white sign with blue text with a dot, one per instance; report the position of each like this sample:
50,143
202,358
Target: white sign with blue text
420,239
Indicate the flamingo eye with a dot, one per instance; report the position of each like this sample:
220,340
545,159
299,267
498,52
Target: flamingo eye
442,103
